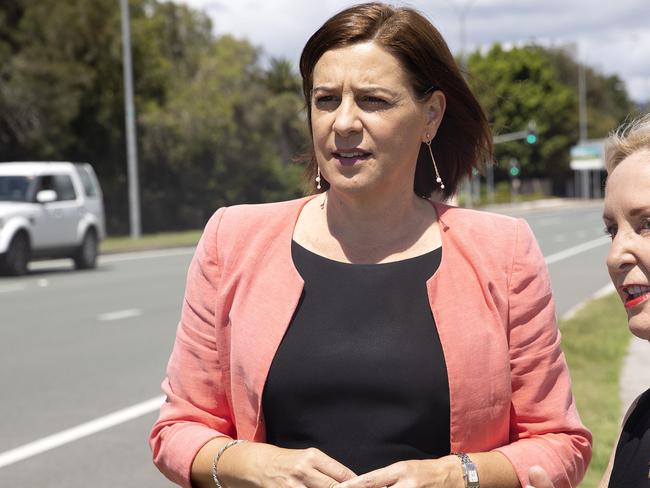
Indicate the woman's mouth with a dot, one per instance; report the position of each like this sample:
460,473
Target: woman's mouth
350,158
635,294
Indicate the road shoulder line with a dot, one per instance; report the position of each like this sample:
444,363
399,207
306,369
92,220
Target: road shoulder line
572,251
83,430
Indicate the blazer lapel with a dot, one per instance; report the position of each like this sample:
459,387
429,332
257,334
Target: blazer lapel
267,299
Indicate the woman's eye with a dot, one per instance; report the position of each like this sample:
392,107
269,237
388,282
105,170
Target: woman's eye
372,103
326,102
610,230
645,226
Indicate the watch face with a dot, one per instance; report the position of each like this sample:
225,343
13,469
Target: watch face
473,477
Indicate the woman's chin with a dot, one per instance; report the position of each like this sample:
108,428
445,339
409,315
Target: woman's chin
353,184
640,326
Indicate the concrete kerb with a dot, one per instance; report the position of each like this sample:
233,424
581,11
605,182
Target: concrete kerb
604,291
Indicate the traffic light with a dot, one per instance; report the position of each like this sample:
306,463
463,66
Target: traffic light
514,168
531,137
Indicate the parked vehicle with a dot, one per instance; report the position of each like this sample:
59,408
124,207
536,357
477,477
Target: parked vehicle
49,210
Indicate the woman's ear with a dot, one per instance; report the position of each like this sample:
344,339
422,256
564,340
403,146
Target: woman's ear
435,110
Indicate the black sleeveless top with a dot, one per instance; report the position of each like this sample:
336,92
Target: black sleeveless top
632,459
360,373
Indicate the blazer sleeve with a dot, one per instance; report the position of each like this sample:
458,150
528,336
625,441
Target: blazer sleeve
196,409
545,427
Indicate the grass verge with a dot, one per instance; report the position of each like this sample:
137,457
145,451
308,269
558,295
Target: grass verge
150,241
502,194
595,341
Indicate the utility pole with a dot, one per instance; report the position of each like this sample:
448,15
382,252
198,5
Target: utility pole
582,97
582,113
463,12
129,109
469,184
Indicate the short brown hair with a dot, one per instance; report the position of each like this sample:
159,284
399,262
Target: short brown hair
464,139
627,139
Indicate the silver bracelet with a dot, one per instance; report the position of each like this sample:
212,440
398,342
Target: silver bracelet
216,457
470,474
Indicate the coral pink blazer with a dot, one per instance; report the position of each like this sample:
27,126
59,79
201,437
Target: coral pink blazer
509,387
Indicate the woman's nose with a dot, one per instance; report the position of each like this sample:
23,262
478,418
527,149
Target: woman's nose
347,119
621,252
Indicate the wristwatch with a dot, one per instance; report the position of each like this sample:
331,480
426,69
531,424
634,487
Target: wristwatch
470,474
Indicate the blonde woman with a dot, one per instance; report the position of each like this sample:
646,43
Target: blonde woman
627,220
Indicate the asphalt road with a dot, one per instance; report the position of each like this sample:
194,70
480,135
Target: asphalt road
577,229
78,346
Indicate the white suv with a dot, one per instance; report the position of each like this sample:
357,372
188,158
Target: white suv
49,209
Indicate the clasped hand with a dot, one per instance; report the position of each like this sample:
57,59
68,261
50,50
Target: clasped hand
311,468
444,472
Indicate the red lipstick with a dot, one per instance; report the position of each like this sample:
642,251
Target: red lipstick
633,302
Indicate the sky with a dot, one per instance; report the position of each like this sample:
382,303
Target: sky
611,36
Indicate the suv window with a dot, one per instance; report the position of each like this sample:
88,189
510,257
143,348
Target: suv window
15,188
61,184
86,180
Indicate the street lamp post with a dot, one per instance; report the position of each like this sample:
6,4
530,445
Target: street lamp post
463,12
129,109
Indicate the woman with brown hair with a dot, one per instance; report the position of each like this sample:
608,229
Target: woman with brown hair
369,335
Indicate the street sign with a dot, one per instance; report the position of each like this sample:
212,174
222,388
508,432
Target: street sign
588,155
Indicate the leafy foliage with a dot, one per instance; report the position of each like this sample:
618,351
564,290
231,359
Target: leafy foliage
519,85
608,103
533,83
214,127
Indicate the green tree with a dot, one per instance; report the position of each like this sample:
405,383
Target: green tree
285,113
215,139
62,90
44,77
214,127
608,103
519,85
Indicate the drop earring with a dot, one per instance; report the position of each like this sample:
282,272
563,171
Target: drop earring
435,166
318,179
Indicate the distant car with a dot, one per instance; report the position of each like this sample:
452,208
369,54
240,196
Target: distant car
49,210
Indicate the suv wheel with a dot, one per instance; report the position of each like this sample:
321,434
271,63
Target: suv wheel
86,255
14,262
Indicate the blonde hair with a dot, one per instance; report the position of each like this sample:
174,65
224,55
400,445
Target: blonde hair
627,139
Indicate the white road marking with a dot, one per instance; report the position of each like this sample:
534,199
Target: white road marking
75,433
12,287
114,258
604,291
572,251
119,315
43,283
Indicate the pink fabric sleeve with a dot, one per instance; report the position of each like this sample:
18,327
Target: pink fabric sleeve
196,409
545,427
